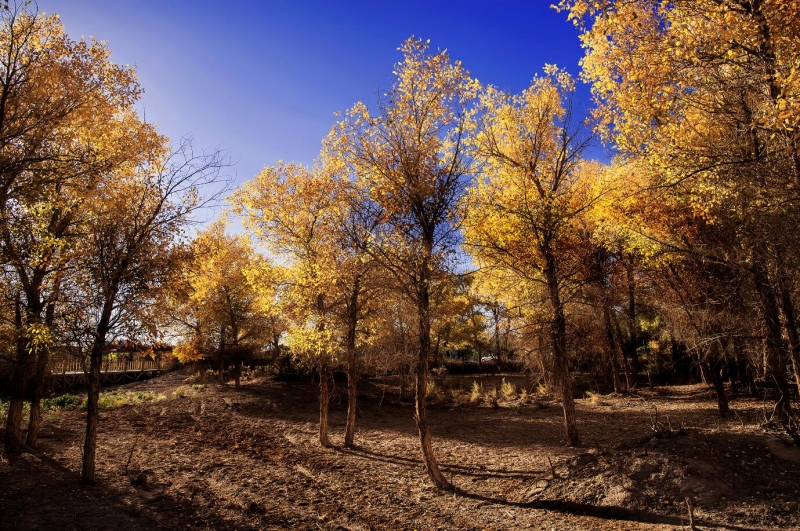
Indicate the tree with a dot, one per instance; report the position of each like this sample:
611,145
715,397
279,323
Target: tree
134,222
522,212
65,119
411,158
225,300
290,209
358,282
706,94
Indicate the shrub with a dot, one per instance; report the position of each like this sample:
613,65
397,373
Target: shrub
475,394
65,401
432,390
181,391
508,390
492,396
117,398
594,398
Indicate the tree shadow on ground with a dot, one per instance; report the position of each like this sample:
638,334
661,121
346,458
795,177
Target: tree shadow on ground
41,493
606,512
461,470
599,511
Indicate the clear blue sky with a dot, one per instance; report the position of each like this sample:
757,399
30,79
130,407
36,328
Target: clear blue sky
263,79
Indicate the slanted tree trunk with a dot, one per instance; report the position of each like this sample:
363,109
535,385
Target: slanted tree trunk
421,383
324,403
558,338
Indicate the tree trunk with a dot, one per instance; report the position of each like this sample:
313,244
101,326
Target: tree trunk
19,382
790,325
352,368
35,421
238,374
558,339
93,396
324,400
37,391
625,369
704,375
633,338
611,344
420,391
711,367
774,345
719,388
19,379
222,362
92,414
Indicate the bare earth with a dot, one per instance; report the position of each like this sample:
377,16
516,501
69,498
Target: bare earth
221,458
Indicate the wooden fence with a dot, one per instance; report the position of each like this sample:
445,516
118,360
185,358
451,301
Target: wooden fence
69,365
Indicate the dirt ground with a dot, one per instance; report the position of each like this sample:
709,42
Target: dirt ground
222,458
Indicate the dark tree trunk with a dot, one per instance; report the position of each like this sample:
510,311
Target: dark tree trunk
558,339
790,325
19,381
711,367
92,416
238,374
93,395
625,369
324,403
22,371
611,344
352,368
38,387
774,345
633,338
37,391
222,358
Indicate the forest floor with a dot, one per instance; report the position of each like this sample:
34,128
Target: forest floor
216,457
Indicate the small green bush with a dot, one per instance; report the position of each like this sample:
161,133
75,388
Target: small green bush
65,401
117,398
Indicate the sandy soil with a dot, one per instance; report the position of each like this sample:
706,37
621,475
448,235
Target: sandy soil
222,458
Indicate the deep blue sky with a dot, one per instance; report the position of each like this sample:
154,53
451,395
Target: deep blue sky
263,79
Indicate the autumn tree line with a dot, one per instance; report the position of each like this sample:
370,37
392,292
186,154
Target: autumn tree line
448,214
